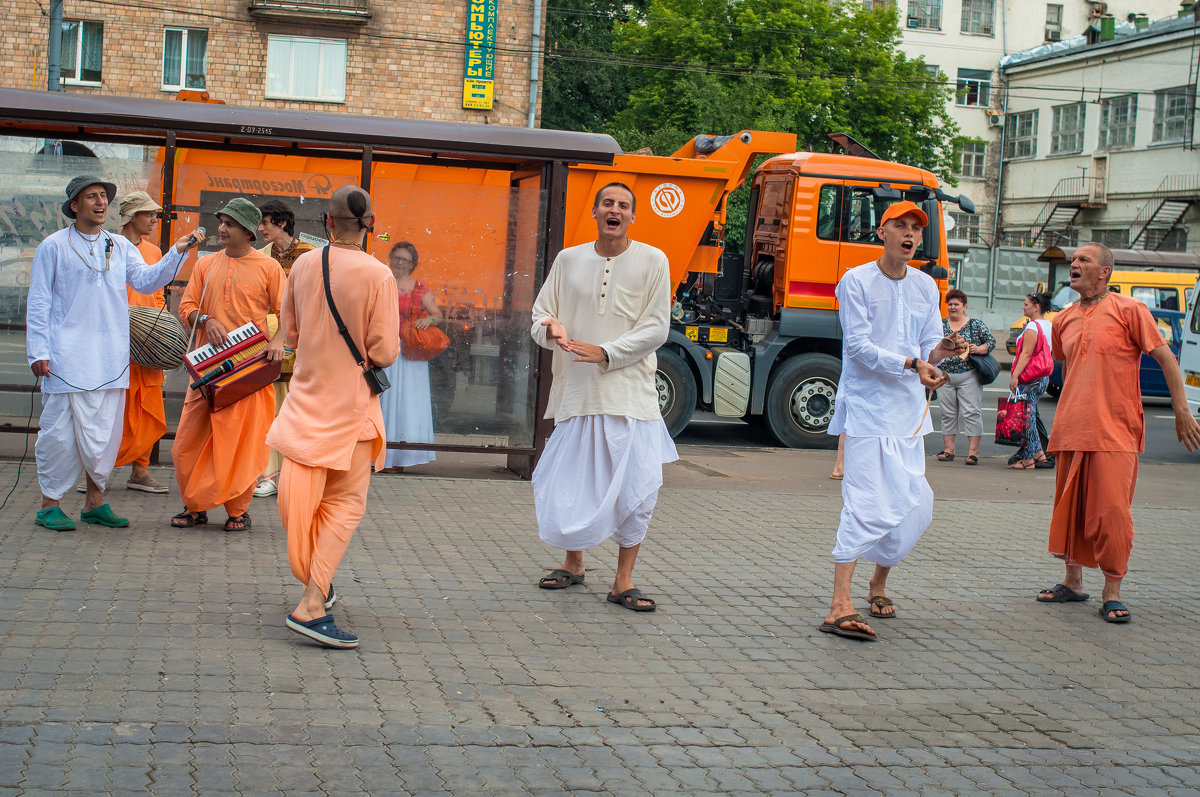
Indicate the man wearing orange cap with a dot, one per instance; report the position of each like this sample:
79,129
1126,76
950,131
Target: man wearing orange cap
218,455
891,336
145,417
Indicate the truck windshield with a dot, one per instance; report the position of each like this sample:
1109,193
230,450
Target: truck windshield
1065,296
851,214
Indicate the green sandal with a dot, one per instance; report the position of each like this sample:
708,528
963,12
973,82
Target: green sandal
104,516
55,519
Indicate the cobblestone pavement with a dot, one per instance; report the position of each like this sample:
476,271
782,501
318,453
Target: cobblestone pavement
153,659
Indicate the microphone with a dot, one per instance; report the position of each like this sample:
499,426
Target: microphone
193,241
220,371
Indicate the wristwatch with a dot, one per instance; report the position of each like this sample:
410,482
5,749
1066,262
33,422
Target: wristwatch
202,319
913,367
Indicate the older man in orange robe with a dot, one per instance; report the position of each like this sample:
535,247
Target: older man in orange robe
145,417
330,427
218,455
1099,429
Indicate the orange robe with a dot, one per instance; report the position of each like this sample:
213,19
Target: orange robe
218,455
145,417
1099,430
330,427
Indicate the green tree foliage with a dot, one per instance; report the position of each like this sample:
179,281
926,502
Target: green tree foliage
584,83
805,66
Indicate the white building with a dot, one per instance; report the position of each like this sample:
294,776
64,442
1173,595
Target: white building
965,40
1100,141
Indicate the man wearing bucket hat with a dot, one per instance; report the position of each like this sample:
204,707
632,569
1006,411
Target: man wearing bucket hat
891,335
145,416
219,455
77,341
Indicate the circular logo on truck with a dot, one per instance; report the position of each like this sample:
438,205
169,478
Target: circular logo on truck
667,200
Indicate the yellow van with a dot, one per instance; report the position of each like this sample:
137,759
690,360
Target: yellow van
1159,290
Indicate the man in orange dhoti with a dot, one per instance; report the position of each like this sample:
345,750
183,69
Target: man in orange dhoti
218,455
330,427
145,417
1099,430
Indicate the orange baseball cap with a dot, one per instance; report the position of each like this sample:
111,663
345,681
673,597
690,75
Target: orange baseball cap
899,209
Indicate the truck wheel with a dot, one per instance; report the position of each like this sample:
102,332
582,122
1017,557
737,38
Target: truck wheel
676,391
1054,390
799,403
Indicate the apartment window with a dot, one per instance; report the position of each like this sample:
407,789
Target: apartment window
970,158
304,68
82,50
974,88
1118,116
1066,132
1053,22
966,227
1170,114
871,5
1117,238
1020,135
184,54
978,16
925,14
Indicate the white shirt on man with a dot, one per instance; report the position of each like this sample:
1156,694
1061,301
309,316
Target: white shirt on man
77,313
622,304
884,322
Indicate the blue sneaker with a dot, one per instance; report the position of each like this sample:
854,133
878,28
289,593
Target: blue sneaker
324,631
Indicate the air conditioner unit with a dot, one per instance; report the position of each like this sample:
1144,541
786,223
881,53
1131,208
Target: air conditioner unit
914,23
1053,35
995,119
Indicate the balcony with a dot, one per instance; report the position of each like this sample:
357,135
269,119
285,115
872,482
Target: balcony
328,12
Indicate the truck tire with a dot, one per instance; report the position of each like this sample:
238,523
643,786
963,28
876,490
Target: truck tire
676,391
799,404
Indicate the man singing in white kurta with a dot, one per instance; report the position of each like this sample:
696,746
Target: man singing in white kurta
77,340
602,467
891,333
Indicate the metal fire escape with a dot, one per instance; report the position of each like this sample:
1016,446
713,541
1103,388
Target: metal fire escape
1055,223
1166,209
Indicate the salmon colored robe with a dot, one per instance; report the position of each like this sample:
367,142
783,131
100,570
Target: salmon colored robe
1099,430
219,455
330,427
145,417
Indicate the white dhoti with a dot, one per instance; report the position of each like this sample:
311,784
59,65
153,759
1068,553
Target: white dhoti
79,432
599,478
886,502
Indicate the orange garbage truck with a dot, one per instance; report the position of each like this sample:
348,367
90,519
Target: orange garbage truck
755,335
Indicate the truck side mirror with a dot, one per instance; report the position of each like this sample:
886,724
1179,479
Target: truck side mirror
931,236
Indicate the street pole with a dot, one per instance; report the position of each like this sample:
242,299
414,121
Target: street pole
54,47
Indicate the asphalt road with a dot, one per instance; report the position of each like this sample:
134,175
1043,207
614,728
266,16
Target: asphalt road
1161,443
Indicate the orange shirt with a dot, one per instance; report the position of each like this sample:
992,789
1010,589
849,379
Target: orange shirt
240,290
151,254
1100,408
329,407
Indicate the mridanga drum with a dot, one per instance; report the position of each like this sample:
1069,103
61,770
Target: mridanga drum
156,338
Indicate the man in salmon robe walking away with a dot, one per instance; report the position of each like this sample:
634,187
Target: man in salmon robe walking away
330,427
219,455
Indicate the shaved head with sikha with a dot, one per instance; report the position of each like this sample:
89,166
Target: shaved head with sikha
351,208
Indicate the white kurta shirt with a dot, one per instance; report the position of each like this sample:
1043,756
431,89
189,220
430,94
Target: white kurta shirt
78,312
622,304
884,322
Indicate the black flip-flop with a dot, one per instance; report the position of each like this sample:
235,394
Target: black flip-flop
1062,594
629,599
972,459
878,603
560,579
200,519
1115,606
850,633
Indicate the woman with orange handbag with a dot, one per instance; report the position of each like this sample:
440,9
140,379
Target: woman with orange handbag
1033,352
408,406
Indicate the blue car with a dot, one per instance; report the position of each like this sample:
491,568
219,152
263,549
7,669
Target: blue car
1154,383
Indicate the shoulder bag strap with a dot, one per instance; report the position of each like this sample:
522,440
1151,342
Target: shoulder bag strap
333,309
